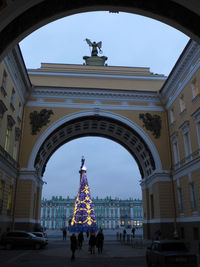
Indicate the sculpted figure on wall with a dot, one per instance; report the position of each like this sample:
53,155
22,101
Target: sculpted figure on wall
39,119
151,123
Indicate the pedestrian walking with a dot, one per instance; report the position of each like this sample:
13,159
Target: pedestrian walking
99,241
133,231
64,234
73,245
87,233
92,243
124,235
80,240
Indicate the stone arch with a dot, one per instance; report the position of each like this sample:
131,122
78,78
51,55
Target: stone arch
31,15
102,124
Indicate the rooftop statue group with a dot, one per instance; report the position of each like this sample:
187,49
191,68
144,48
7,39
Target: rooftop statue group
95,46
94,59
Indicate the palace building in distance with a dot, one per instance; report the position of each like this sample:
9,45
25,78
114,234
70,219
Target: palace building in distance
156,118
111,213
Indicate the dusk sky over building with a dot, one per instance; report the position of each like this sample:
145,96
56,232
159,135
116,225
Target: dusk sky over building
128,40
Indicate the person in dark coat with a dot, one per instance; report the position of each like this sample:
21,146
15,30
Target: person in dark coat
80,240
73,245
92,243
133,232
87,233
64,234
124,235
99,241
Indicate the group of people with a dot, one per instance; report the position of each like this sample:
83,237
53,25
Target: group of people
94,241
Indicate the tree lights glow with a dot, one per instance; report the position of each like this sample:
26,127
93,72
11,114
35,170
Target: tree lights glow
84,216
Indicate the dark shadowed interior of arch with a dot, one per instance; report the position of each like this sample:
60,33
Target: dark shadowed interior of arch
41,13
95,126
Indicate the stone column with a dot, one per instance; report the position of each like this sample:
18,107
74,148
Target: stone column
158,188
28,184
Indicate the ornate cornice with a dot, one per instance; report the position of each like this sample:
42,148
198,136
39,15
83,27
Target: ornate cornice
17,70
95,93
99,98
97,75
177,80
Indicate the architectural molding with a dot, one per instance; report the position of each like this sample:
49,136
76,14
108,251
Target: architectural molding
67,95
5,219
164,220
184,128
171,220
196,115
189,167
156,177
94,93
176,80
17,70
7,163
95,75
26,220
98,114
92,106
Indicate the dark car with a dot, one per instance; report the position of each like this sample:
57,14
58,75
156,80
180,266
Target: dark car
22,239
42,235
169,253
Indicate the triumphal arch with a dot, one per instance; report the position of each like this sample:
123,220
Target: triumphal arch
156,118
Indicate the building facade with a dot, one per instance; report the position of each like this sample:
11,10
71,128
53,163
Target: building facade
156,118
14,89
110,213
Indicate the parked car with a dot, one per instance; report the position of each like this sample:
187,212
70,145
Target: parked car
41,234
168,253
22,239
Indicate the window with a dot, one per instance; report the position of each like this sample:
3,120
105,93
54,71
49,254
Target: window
7,141
182,103
152,206
187,144
186,139
174,140
180,200
15,149
4,83
2,185
176,153
195,90
19,111
172,119
193,196
9,203
12,100
196,117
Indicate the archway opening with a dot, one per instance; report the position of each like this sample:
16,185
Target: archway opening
114,182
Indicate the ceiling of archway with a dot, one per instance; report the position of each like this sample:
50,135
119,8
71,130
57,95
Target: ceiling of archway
102,127
22,22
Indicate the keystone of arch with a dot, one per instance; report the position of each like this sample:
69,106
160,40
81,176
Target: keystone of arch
82,114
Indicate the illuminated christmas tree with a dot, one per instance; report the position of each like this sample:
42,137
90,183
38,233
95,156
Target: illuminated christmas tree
84,216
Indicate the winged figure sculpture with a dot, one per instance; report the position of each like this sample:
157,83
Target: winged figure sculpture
95,46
